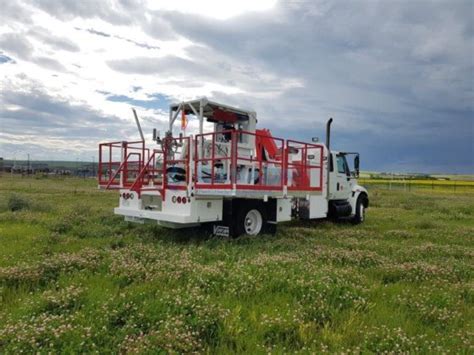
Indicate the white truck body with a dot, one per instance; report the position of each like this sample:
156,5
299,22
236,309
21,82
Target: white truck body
241,179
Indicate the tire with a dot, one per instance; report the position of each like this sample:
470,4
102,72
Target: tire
361,204
251,219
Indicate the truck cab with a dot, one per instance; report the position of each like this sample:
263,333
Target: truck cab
346,198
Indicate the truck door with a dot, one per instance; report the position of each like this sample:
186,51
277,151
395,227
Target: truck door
340,179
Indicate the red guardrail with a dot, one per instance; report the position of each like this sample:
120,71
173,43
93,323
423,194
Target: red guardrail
266,171
206,161
222,160
114,171
150,173
176,163
300,172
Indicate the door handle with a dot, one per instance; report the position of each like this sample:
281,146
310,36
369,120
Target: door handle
337,188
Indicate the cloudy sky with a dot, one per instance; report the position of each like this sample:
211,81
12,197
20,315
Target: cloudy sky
397,76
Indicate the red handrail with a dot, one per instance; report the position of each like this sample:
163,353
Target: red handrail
142,172
120,168
267,166
106,162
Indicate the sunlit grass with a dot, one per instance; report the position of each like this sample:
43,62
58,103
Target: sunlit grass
76,278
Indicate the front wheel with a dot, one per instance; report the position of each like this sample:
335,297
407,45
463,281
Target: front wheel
359,216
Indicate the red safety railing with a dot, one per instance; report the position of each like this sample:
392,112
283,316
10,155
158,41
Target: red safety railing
231,159
304,170
209,156
151,175
120,163
177,174
222,161
262,170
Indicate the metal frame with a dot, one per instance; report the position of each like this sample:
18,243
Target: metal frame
252,166
304,168
107,162
201,104
147,165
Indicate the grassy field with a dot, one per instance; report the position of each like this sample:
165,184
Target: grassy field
449,186
74,277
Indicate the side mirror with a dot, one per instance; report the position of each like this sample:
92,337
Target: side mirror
356,165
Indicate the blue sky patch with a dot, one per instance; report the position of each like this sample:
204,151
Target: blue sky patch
156,102
5,59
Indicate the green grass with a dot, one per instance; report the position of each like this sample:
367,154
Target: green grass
448,186
76,278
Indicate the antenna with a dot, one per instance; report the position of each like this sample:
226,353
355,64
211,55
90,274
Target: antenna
138,124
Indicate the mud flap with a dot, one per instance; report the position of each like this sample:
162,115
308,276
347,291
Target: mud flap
270,226
228,225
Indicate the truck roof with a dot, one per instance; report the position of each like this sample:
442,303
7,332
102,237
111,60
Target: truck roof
211,109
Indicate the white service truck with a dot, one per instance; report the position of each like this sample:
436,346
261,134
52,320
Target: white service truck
237,178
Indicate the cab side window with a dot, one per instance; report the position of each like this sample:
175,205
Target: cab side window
341,164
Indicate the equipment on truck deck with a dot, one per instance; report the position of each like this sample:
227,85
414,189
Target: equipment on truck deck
236,177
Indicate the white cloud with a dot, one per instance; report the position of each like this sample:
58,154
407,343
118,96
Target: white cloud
221,10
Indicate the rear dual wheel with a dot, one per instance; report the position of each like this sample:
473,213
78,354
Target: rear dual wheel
250,220
253,222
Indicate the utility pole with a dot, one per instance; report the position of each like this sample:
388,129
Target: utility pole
28,165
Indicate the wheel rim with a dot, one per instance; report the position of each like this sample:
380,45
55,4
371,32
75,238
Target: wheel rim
253,222
361,212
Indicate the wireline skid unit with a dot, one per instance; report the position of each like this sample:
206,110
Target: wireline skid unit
238,178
